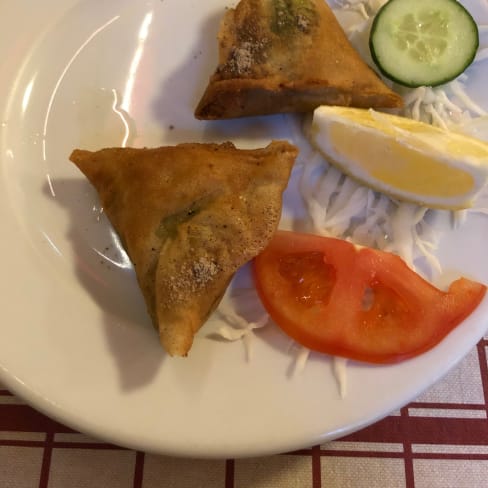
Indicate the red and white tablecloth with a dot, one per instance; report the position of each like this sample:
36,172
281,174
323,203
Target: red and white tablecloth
438,441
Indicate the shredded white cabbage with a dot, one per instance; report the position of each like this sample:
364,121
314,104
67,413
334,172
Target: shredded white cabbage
339,366
235,325
300,359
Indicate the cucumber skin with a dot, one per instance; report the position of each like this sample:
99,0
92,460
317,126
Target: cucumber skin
438,82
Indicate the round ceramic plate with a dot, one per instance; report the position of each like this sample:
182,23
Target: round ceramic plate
75,338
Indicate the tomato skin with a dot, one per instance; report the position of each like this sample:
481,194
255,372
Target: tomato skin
358,303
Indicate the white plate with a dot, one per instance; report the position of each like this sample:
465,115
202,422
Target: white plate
75,339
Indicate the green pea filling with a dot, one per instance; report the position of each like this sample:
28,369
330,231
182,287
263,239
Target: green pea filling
169,225
292,16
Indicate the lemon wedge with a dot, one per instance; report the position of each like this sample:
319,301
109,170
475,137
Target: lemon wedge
403,158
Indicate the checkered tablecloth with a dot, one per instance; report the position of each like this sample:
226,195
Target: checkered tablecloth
438,441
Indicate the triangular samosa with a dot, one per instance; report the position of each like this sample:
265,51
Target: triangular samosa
280,56
189,216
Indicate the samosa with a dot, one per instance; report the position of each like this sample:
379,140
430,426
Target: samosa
280,56
189,216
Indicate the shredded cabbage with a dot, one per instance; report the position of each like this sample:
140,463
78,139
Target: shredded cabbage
239,323
300,360
339,367
236,327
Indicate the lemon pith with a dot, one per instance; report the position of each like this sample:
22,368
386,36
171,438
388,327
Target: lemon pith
403,158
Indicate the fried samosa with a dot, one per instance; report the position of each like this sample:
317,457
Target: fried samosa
189,216
280,56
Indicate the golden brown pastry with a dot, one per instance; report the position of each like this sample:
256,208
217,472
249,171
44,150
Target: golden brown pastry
287,56
189,216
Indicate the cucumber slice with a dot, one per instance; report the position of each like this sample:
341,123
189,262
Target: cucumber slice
423,42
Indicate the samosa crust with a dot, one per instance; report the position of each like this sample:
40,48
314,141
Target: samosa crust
279,56
189,216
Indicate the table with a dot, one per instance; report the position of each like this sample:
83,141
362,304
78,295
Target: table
438,441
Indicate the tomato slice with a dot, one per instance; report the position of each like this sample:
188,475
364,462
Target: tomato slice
359,303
